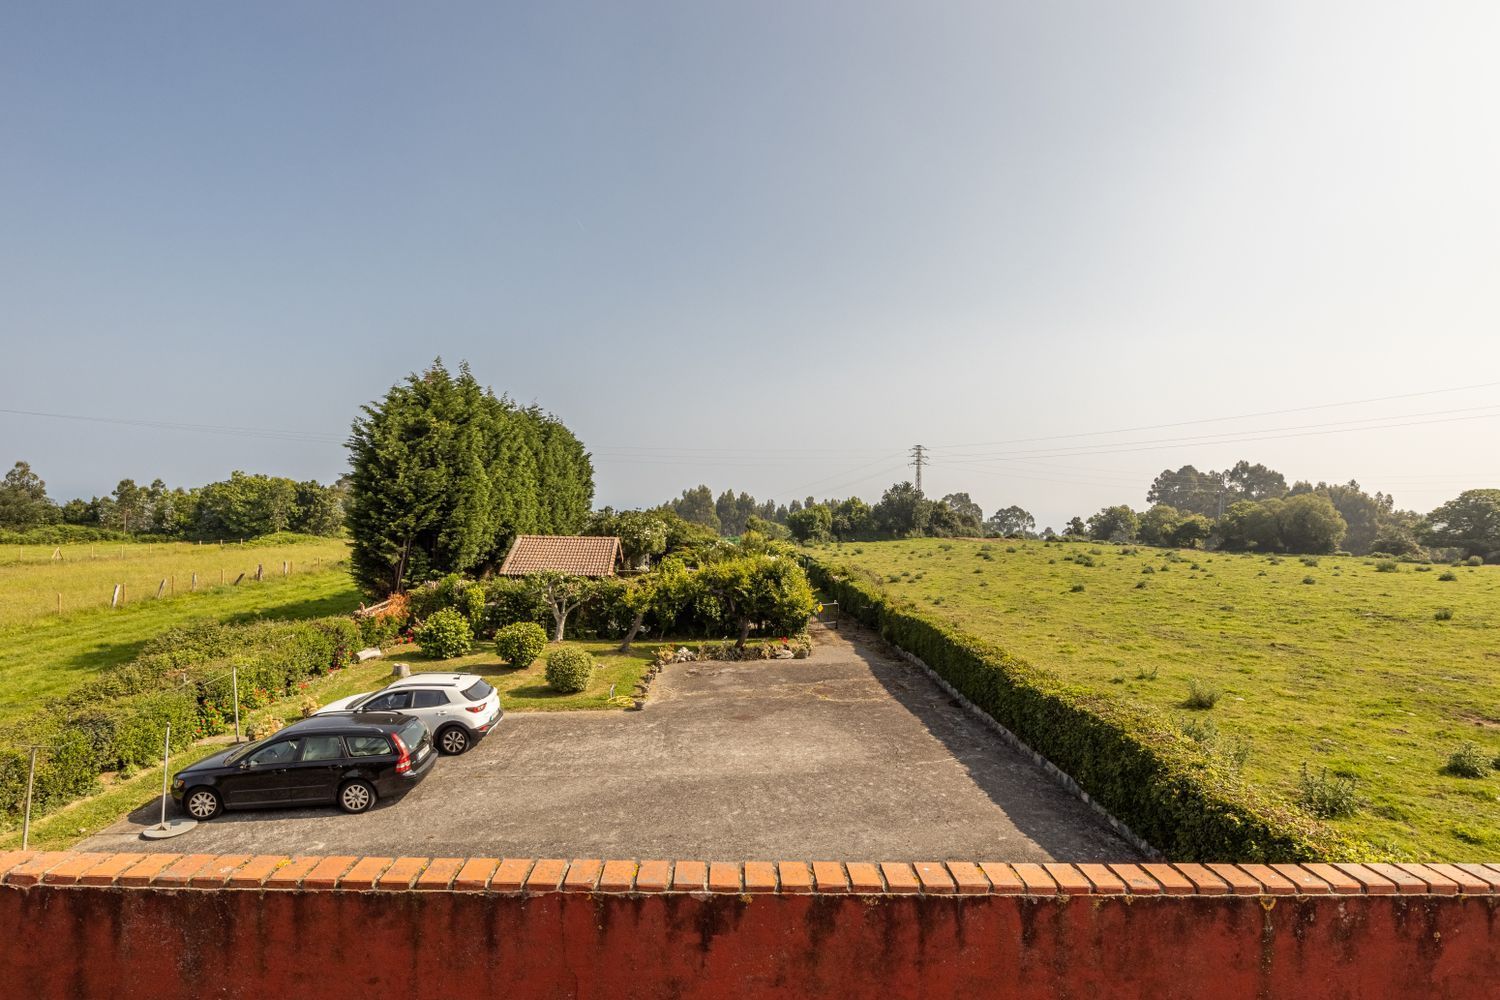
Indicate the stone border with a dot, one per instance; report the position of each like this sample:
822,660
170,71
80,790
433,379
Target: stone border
532,876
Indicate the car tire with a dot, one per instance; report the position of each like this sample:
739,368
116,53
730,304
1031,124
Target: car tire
202,803
356,796
454,740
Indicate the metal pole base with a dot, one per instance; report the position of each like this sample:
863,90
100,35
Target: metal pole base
174,827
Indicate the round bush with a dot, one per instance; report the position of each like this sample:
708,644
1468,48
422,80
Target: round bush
445,634
569,670
520,643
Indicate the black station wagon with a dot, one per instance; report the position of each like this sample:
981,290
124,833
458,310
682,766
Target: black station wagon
349,759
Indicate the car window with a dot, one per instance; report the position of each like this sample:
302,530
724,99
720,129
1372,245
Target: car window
478,691
280,752
391,701
367,746
413,734
429,699
321,748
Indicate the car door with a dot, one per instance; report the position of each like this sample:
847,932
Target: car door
262,778
315,775
431,705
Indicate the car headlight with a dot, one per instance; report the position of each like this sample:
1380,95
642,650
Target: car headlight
178,781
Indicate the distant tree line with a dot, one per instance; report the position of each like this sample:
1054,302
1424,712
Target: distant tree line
1246,507
242,506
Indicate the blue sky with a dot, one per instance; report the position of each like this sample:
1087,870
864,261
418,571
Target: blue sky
764,246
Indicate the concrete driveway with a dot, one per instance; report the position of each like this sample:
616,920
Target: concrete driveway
852,753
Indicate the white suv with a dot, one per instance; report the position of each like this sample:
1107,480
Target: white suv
458,708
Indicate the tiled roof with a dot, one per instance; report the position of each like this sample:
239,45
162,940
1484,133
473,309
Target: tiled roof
573,555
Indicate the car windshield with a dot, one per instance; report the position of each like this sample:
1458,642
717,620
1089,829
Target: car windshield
360,700
478,691
413,733
239,754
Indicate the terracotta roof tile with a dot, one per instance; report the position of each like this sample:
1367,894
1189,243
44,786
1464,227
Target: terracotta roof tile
571,555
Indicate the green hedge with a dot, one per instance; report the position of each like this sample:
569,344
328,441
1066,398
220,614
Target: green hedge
117,721
1128,759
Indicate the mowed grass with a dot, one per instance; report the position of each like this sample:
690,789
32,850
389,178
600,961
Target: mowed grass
526,690
51,655
1353,671
83,576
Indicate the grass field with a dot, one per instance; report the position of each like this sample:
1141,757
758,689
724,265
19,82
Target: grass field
50,655
81,577
1337,664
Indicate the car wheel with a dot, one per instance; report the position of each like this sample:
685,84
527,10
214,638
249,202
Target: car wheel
202,803
454,740
356,797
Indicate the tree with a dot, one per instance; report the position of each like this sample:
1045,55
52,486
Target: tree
445,475
1395,539
1364,514
852,519
1188,490
964,507
1115,524
1190,531
563,595
1076,528
23,499
661,594
1011,520
697,505
771,529
1470,521
642,533
1158,524
1253,482
811,524
771,590
902,511
1248,525
1310,524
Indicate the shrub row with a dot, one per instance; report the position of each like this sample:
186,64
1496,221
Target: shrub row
1165,787
116,722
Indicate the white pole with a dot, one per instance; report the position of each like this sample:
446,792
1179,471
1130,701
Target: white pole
234,674
30,783
166,773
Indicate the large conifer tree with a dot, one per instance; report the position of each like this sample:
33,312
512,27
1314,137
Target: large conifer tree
446,474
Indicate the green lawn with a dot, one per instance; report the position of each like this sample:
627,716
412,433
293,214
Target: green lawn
527,691
49,656
1352,671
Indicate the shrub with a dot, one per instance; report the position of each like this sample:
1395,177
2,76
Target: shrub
1468,761
520,643
569,670
1077,588
445,634
1327,796
1201,695
1474,561
1309,580
1387,566
1448,576
265,727
1443,614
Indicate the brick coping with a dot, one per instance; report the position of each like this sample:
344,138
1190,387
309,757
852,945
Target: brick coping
531,876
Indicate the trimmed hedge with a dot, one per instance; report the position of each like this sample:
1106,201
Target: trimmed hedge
445,634
569,670
520,643
116,721
1129,760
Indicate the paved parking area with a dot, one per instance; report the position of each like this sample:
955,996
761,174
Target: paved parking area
852,753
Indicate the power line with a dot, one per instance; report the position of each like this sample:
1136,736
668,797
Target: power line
1215,420
311,437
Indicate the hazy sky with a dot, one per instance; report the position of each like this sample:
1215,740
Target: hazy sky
767,246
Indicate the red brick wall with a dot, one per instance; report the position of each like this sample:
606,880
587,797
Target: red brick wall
166,926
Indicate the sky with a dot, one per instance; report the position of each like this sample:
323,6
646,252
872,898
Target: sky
768,246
